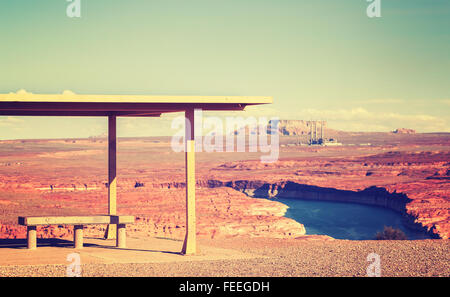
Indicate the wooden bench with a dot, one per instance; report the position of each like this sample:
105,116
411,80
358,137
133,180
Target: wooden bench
78,222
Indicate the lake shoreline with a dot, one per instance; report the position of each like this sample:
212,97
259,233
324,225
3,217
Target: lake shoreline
346,221
372,196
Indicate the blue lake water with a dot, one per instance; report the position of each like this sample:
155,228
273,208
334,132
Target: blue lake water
345,220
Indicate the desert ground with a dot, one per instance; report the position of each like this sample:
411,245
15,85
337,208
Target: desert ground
310,256
408,173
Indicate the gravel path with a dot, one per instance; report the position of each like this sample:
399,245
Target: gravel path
285,258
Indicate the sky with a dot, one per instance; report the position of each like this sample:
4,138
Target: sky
319,60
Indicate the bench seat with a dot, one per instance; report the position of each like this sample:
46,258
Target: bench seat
75,220
78,221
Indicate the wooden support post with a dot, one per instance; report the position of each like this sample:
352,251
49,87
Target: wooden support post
190,244
112,181
78,236
121,241
31,237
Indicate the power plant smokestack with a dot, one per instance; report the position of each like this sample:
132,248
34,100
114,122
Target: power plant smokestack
315,131
321,131
314,137
310,132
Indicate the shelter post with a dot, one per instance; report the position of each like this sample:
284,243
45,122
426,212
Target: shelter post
112,181
190,244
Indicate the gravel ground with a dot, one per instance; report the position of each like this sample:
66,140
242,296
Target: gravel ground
284,258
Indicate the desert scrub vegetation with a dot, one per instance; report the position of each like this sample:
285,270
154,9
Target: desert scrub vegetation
390,233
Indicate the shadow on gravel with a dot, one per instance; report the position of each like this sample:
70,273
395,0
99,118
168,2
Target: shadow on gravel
57,242
131,249
22,243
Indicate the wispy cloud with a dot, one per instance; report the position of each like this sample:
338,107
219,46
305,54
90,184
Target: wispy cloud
10,122
445,101
382,101
360,119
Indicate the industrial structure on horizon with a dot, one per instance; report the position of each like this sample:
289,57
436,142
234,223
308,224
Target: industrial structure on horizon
307,132
315,139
